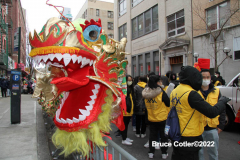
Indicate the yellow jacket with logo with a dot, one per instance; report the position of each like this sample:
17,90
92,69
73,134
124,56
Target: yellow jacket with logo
185,111
157,110
217,83
131,113
212,99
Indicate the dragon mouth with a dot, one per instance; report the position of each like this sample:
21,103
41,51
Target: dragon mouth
78,114
65,60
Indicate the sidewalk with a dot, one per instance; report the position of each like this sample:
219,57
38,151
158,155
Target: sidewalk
18,141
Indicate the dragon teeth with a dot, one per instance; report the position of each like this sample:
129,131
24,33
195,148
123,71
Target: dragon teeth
84,112
63,121
69,121
51,57
79,59
74,58
59,56
82,117
75,120
89,108
85,61
66,59
91,62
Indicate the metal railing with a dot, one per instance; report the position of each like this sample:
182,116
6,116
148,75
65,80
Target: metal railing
111,152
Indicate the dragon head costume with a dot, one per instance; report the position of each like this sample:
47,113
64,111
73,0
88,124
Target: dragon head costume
82,88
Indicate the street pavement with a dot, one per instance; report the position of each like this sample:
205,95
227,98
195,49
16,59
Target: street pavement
229,149
20,141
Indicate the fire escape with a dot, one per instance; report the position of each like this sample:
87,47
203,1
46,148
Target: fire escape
6,27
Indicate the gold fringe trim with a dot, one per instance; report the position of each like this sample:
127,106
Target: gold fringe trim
53,49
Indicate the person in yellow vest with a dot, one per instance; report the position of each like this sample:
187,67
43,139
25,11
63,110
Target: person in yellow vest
190,109
130,101
212,127
157,111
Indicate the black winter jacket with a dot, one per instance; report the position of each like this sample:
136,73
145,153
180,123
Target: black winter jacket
139,108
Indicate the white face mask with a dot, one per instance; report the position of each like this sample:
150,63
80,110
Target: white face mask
206,82
129,83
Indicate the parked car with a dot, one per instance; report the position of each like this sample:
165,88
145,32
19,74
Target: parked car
231,90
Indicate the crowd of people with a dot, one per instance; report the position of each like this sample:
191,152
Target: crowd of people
199,105
27,85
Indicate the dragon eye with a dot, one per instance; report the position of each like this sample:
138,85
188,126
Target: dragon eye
91,33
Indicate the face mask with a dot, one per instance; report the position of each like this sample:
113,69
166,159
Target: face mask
129,83
216,75
162,86
147,79
206,82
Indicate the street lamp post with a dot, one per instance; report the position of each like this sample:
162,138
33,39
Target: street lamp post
226,50
195,55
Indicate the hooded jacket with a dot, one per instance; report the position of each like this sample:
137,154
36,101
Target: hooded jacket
153,94
156,108
139,108
192,78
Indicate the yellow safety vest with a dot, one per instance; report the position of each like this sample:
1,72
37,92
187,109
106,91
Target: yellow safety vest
217,82
185,111
131,113
212,99
157,110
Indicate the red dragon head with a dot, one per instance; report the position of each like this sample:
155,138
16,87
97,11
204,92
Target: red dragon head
85,68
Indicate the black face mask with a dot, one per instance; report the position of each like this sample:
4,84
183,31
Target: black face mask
191,76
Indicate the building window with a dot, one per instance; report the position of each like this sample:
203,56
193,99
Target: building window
148,23
220,37
110,25
176,60
110,14
122,31
140,59
136,2
97,12
122,7
145,22
236,48
148,63
134,67
176,23
110,36
218,15
156,62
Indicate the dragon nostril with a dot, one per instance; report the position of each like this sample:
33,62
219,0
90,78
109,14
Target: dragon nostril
93,35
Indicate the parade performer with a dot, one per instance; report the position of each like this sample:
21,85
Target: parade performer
82,88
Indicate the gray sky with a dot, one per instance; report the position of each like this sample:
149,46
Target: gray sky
38,12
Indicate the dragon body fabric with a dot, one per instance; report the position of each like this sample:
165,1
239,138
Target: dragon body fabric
82,88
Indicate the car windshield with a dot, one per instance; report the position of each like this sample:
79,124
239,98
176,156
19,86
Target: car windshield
236,82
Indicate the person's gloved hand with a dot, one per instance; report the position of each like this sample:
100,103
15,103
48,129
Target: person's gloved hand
224,99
